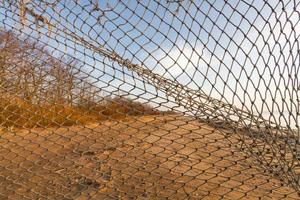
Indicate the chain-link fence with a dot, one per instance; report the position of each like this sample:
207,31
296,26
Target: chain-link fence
126,99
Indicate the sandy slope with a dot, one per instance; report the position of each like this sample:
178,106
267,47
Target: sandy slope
144,158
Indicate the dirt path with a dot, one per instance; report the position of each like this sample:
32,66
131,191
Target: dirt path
142,158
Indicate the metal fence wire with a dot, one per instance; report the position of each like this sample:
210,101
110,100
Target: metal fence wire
149,99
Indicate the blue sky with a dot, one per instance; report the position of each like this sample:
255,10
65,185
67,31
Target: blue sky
242,52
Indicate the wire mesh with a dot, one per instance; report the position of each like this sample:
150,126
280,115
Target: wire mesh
127,99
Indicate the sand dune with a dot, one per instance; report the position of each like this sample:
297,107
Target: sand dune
149,157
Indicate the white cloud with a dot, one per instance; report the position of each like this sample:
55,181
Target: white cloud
191,66
179,60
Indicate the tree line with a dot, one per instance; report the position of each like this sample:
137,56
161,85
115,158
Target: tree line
33,81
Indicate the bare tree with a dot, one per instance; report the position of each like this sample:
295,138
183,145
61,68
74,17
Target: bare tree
29,71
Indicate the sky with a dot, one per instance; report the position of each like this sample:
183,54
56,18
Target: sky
243,52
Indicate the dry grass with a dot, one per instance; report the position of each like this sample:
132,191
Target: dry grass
18,113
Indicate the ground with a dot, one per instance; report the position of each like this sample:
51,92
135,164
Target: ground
147,157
